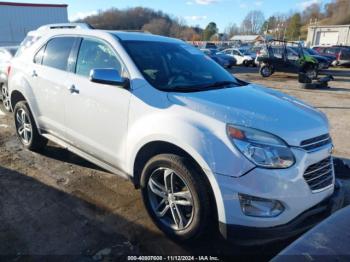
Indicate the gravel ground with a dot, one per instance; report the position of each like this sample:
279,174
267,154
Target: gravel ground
55,203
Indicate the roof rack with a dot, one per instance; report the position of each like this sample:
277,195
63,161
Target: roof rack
65,26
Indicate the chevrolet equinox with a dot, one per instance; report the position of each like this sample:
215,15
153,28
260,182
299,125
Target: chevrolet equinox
205,148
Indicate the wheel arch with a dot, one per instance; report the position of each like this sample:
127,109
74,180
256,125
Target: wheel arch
150,149
154,148
15,97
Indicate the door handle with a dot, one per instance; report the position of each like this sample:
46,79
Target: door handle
73,89
34,74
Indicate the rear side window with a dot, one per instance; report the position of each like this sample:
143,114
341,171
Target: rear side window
57,52
94,54
26,43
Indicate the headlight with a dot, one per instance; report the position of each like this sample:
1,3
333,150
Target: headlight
263,149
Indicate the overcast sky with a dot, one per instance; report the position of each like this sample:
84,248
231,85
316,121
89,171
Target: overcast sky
194,12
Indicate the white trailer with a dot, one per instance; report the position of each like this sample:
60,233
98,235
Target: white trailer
17,19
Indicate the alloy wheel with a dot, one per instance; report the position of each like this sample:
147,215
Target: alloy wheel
5,98
24,126
170,198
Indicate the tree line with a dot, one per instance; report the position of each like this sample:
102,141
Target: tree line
291,26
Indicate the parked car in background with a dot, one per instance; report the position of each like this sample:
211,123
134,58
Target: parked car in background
281,57
205,148
342,54
312,52
323,62
222,59
242,56
6,54
209,45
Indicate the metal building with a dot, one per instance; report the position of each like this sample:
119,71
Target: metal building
327,35
17,19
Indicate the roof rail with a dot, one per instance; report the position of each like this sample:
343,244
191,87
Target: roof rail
65,26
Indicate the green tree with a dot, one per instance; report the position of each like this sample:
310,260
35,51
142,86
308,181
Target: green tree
209,31
293,28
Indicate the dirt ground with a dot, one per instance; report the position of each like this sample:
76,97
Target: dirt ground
55,203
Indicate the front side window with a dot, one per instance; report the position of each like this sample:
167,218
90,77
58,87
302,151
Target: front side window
177,66
94,54
57,52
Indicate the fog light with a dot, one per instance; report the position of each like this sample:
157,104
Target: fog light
260,207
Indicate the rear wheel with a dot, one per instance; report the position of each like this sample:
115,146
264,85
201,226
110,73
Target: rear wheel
26,129
5,97
176,196
311,71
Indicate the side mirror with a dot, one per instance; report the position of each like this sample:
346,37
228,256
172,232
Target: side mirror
108,77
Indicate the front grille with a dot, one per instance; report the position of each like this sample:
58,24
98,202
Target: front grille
316,142
319,175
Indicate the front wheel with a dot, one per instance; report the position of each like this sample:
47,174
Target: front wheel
266,70
176,197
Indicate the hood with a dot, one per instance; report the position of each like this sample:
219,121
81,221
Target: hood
258,107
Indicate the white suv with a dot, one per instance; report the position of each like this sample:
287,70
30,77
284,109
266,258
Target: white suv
205,148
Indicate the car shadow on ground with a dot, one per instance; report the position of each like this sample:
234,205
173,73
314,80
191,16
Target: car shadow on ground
38,221
57,153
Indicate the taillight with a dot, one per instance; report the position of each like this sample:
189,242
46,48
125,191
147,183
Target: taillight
8,70
338,55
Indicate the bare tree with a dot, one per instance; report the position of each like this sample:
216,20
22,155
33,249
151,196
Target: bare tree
158,26
338,12
232,30
312,12
253,22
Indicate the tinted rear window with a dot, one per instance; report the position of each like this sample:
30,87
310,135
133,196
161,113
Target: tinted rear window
57,52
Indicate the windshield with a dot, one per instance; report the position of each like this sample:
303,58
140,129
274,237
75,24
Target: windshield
178,67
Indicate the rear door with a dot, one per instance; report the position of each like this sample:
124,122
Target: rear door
96,114
49,78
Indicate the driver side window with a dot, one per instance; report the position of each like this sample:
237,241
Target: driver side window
94,54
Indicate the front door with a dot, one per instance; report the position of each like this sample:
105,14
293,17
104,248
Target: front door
292,61
97,114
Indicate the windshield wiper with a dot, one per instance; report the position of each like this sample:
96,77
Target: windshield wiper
203,87
221,84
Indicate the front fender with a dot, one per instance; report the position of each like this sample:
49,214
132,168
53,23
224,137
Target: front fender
202,137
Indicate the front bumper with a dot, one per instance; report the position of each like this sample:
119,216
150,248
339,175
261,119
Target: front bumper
245,235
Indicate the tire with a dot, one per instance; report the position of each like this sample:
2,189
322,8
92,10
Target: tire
245,63
26,129
5,98
265,70
196,207
311,71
